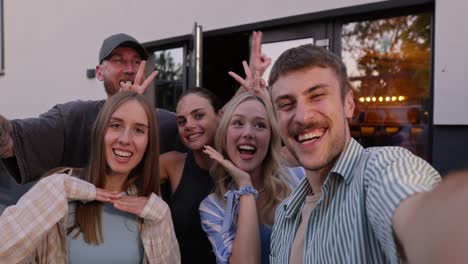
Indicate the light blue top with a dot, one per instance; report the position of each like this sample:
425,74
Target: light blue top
351,222
122,243
213,218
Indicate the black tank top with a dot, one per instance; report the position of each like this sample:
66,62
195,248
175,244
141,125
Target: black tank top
194,186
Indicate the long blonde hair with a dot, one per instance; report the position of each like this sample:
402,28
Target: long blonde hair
274,185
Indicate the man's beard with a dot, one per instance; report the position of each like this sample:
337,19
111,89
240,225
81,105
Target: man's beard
334,149
110,88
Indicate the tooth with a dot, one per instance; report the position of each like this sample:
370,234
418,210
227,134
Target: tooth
246,147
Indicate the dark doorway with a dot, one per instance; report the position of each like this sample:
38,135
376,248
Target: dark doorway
223,53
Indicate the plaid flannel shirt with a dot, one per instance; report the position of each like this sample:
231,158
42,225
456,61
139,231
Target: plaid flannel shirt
34,230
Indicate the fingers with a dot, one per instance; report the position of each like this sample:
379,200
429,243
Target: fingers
236,77
142,88
257,42
140,73
248,73
125,86
106,196
211,152
266,60
131,204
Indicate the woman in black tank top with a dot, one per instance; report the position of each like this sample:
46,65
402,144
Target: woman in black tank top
187,173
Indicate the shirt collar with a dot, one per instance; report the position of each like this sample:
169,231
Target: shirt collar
348,160
296,199
343,167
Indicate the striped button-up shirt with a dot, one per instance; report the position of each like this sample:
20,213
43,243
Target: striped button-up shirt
352,221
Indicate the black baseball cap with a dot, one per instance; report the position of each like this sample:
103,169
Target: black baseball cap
120,40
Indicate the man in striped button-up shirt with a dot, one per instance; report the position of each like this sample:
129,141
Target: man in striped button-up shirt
357,205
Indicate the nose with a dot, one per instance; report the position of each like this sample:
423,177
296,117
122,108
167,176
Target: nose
247,132
130,67
190,123
302,113
124,137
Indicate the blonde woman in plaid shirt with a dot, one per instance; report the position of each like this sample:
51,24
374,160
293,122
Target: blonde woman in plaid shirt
64,218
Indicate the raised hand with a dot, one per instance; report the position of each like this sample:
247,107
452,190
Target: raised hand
241,177
252,83
140,84
131,204
258,62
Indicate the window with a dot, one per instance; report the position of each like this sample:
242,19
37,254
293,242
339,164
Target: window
389,63
275,49
170,79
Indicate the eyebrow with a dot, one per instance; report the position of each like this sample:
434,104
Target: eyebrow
308,91
255,117
315,87
191,112
121,120
196,110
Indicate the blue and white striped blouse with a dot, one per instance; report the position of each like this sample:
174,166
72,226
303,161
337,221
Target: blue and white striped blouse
212,213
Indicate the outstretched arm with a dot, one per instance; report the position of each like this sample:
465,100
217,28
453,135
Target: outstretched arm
6,142
431,226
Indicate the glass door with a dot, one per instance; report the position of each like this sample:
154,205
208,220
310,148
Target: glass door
278,40
389,66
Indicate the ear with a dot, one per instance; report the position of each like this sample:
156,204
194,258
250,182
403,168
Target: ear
99,74
349,104
220,114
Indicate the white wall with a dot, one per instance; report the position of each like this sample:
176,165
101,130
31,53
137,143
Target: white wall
50,43
451,63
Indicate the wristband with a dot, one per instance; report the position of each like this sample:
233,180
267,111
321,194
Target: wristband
232,205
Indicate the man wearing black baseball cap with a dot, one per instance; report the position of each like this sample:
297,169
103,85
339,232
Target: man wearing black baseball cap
120,40
62,136
120,58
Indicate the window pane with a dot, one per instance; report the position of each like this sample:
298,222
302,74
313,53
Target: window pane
170,79
275,49
389,62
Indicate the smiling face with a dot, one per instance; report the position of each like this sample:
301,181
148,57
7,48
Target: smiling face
126,138
312,116
197,121
248,136
120,67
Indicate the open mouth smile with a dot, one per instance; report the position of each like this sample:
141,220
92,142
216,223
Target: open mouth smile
310,136
193,137
246,151
122,153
